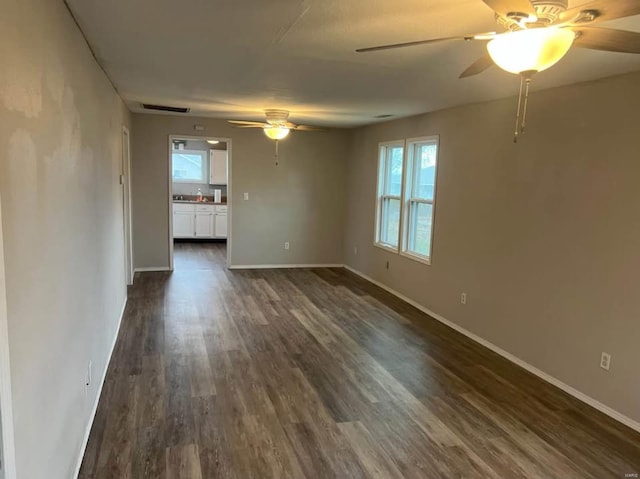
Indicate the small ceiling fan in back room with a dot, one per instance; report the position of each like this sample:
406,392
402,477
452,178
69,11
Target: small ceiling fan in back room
539,33
277,126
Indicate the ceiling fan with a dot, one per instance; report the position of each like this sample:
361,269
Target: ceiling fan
539,33
277,126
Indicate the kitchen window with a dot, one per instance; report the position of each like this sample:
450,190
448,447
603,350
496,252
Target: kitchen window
406,197
189,166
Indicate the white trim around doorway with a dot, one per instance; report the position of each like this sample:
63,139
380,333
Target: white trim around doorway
228,141
125,181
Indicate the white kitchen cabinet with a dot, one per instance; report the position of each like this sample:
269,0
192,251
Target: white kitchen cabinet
204,224
218,167
199,221
183,224
221,225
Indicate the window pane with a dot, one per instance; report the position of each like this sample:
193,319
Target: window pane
187,167
420,223
394,181
390,224
425,171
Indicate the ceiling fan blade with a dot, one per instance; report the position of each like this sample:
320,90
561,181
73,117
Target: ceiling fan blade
607,39
600,10
481,64
504,7
412,44
247,124
307,128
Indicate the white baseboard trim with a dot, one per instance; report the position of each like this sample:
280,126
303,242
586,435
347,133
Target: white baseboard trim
92,417
285,266
152,269
627,421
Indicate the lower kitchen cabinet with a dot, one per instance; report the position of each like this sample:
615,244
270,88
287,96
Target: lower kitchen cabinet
199,221
204,225
221,225
183,224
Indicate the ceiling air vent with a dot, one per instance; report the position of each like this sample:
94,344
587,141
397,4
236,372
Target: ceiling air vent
172,109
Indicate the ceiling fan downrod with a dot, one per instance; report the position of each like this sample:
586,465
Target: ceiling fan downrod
523,102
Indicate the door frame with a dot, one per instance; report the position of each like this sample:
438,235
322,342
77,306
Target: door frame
228,141
6,410
125,181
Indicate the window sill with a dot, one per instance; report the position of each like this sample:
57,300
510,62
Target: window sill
420,259
387,248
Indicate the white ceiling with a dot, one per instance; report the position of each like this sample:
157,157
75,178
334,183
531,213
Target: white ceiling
234,58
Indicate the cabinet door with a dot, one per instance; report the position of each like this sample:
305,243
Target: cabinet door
221,226
218,167
204,225
183,224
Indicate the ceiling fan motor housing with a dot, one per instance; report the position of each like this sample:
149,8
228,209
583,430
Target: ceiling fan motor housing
276,117
547,11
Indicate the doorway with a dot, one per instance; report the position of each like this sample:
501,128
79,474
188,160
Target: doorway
200,170
125,181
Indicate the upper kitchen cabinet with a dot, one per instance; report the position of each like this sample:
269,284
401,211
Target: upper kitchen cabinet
218,167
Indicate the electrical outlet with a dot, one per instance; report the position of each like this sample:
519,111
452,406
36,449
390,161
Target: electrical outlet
246,196
286,245
355,251
463,298
605,361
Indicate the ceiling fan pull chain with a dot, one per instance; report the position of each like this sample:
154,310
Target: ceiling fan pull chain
526,103
515,136
276,156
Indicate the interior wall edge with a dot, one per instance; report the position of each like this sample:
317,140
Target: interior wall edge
6,409
603,408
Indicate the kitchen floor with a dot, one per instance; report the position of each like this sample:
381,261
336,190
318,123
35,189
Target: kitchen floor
189,255
319,374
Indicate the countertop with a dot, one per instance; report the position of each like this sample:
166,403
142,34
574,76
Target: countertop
191,202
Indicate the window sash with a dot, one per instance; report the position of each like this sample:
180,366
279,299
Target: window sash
387,180
415,169
385,198
412,227
385,205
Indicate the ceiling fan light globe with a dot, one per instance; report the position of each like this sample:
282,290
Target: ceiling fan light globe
276,132
532,50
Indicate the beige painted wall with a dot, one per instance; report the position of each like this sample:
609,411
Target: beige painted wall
300,201
60,154
543,236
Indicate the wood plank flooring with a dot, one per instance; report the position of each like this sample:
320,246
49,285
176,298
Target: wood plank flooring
319,374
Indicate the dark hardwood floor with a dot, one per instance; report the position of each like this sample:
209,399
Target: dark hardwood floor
319,374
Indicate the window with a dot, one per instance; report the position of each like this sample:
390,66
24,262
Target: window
420,197
406,197
390,169
189,166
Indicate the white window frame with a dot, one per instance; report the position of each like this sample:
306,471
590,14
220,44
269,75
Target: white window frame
381,197
408,202
205,169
